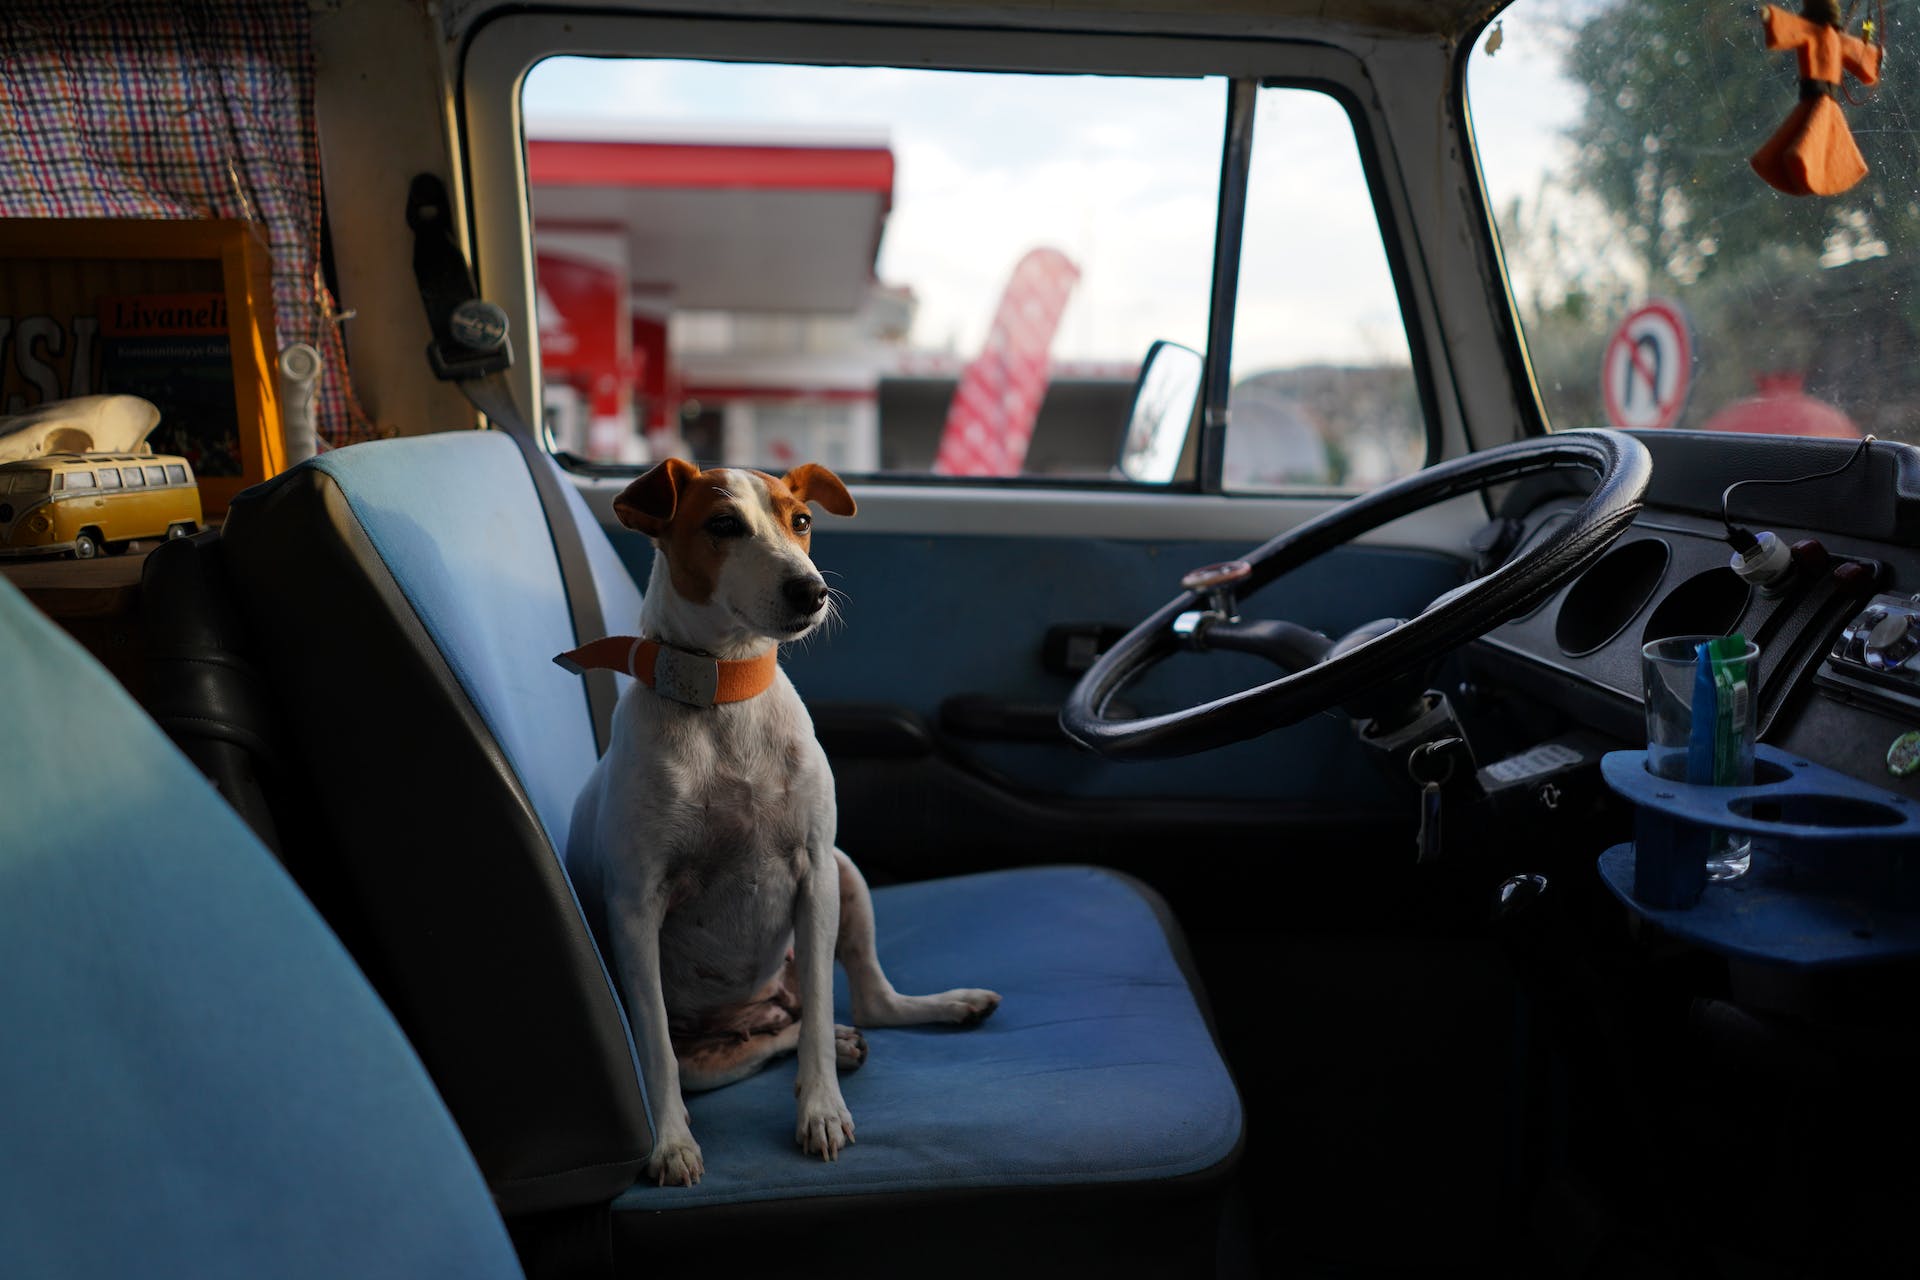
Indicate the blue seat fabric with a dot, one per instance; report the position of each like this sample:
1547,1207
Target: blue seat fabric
196,1081
458,523
1099,1067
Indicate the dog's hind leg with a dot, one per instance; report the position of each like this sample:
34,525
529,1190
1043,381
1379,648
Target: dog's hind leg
710,1064
875,1002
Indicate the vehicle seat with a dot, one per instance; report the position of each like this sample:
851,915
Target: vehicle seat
196,1080
408,601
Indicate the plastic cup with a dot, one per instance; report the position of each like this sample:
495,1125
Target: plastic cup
1670,671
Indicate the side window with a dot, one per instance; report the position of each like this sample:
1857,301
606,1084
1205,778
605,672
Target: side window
79,479
155,475
176,474
133,477
109,477
1323,390
884,269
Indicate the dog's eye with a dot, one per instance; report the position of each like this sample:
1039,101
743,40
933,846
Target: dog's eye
802,522
724,526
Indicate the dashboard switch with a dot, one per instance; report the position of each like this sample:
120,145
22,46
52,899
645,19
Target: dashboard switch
1875,653
1892,640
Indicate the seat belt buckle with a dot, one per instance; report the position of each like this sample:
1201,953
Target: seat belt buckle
476,343
453,362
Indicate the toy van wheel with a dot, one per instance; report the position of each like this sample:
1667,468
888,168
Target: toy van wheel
182,530
86,544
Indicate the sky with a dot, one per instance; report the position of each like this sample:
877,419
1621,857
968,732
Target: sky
1521,103
1522,107
1119,174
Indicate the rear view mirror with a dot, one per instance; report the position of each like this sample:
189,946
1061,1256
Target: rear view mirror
1164,402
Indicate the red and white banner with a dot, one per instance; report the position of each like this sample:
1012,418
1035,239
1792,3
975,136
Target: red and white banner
991,419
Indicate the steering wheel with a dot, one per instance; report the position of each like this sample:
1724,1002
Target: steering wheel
1331,673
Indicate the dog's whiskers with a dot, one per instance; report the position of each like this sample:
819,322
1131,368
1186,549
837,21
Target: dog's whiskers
835,617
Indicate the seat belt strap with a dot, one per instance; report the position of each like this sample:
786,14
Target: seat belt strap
470,349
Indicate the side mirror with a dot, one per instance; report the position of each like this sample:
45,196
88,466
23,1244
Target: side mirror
1164,402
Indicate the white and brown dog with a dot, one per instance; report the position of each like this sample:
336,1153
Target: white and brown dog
705,835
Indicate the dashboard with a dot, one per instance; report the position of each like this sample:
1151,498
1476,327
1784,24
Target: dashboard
1839,636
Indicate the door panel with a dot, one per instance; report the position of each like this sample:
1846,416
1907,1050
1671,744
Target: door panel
928,618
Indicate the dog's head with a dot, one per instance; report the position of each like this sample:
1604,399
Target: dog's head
738,543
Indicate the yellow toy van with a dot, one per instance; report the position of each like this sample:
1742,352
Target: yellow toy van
86,503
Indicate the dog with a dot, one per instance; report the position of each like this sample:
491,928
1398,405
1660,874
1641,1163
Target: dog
704,839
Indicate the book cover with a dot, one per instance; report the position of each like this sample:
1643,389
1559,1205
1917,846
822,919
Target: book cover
174,350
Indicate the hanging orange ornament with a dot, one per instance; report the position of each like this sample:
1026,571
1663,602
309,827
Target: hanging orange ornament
1814,153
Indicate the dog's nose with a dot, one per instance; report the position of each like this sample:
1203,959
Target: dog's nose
806,595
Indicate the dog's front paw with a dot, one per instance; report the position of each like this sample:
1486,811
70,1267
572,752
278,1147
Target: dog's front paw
825,1123
675,1161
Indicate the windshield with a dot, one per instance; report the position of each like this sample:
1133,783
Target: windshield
1639,159
26,482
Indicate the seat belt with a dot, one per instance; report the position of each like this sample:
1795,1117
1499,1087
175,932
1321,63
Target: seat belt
470,349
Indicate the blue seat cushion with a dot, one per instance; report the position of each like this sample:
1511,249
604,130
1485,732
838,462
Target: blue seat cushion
196,1081
1098,1067
458,522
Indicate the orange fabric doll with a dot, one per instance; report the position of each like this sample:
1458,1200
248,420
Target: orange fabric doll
1814,153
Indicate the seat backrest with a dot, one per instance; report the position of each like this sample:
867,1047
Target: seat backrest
406,602
196,1080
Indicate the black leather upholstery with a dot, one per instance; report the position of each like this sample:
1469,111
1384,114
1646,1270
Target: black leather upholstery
202,685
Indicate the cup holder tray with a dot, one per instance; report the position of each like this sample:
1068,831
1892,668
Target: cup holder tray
1835,877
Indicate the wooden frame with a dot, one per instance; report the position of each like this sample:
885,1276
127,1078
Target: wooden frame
55,273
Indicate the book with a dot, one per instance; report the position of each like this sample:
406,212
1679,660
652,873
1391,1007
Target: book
174,349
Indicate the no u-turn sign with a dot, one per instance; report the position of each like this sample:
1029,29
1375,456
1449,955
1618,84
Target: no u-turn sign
1647,368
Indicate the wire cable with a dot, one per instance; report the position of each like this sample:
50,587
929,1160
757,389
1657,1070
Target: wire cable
1743,539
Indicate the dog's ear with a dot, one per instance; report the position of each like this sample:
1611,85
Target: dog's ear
812,482
647,505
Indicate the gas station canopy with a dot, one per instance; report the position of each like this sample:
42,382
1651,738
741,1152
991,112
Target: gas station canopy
724,225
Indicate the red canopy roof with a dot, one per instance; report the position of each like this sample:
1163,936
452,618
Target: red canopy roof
731,226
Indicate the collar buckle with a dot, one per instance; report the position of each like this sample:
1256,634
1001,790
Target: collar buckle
686,677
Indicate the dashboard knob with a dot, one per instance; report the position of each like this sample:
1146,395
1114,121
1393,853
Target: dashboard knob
1893,640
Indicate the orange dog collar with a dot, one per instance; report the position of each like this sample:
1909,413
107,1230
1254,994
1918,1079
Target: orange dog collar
692,678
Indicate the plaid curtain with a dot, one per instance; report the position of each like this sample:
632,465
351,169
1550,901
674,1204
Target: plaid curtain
178,109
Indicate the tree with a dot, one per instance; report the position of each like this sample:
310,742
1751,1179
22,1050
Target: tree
1678,96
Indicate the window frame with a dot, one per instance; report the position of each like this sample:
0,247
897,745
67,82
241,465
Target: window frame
1524,384
499,53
